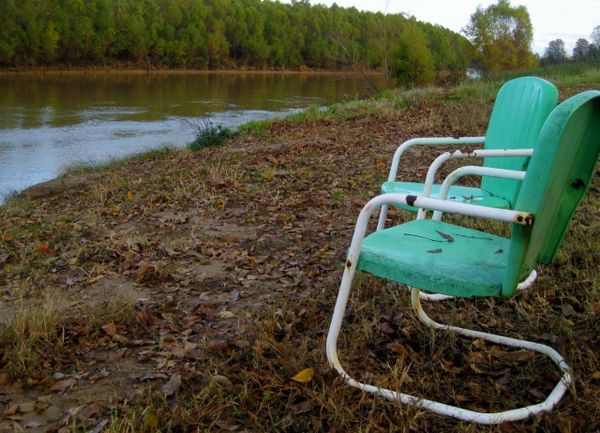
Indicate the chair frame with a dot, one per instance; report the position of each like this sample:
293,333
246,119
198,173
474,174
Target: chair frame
458,154
506,215
441,159
430,141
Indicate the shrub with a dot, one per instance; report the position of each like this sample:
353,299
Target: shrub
208,135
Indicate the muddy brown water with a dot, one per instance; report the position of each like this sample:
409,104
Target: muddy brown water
52,121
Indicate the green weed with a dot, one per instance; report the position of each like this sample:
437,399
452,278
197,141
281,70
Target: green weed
209,135
259,128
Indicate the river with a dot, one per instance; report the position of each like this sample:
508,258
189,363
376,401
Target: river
51,121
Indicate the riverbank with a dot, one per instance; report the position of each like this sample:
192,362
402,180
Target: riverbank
135,69
183,290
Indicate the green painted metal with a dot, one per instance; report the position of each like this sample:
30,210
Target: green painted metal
521,107
453,260
437,257
556,181
457,193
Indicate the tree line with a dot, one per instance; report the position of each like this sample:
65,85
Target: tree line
223,34
583,52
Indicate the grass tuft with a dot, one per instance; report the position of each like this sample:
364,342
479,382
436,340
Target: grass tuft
209,135
260,128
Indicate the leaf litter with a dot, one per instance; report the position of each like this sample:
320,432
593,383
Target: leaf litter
214,274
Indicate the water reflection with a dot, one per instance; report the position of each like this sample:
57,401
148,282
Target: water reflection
50,121
31,101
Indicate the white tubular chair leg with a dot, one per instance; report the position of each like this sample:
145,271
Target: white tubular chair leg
510,415
440,408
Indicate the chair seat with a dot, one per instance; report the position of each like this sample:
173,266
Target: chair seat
437,257
462,194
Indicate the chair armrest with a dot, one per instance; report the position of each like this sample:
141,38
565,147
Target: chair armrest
437,141
435,204
457,154
473,170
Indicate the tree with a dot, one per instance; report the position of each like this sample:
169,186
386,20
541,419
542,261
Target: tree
412,62
555,53
217,34
502,36
581,50
596,36
593,54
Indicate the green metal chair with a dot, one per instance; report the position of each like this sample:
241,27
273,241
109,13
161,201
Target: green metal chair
521,107
453,260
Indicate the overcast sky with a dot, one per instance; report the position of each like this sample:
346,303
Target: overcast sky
551,19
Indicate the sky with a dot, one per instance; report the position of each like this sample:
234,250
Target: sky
568,20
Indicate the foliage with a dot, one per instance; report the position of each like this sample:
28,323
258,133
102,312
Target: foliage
502,36
412,62
586,52
210,34
555,53
209,135
596,36
259,128
581,50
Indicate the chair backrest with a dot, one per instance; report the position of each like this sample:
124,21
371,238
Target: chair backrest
522,105
557,179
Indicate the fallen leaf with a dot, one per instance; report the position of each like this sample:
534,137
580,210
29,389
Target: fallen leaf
217,345
568,310
300,408
399,348
205,311
63,385
100,375
222,380
110,329
169,342
226,315
130,195
99,427
191,351
26,407
386,328
150,423
512,356
121,339
90,411
596,375
191,320
172,386
43,249
10,410
304,376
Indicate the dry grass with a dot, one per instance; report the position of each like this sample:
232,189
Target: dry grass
277,212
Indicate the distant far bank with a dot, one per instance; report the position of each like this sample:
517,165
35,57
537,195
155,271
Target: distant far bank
125,69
